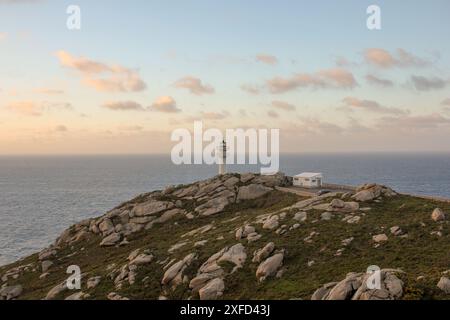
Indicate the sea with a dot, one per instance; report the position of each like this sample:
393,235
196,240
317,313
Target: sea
40,196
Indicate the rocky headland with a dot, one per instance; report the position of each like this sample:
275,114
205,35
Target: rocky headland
239,236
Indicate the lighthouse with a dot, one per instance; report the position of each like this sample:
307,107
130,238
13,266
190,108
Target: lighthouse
222,157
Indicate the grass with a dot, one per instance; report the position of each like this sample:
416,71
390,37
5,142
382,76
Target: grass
421,254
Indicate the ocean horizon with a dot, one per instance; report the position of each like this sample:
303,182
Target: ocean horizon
40,196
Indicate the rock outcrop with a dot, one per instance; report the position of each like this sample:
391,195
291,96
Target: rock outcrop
270,266
438,215
371,191
360,286
192,241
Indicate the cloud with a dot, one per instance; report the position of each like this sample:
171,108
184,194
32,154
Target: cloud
214,115
3,36
49,91
61,128
28,108
131,128
194,85
272,114
428,121
165,104
343,62
329,78
384,59
426,84
101,76
267,59
56,105
314,126
283,105
32,108
123,106
250,89
379,81
370,105
203,115
446,102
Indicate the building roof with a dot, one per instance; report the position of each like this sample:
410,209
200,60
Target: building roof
309,175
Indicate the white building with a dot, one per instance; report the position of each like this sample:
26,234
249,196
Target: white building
308,180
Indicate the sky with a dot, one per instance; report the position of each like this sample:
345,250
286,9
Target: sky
137,70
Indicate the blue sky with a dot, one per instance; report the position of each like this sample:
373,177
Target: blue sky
218,42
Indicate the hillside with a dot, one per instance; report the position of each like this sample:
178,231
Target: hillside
238,237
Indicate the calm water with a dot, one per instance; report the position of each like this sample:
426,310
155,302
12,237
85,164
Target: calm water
41,196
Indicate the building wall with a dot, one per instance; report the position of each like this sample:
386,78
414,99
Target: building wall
306,182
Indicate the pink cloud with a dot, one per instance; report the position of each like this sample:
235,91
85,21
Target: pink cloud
101,76
123,106
250,89
384,59
267,59
329,78
370,105
28,108
194,85
165,104
283,105
379,81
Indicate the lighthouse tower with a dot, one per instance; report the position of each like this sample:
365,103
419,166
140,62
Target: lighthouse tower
222,157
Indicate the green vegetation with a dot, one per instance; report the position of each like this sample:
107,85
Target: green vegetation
418,254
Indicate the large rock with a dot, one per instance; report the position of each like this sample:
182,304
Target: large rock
323,291
201,280
47,254
111,240
45,265
272,222
80,295
236,254
106,227
345,289
152,207
269,267
142,259
174,274
187,191
93,282
337,205
369,192
231,182
261,254
301,216
213,206
11,292
273,180
360,286
211,268
244,231
444,284
56,290
252,191
246,177
438,215
380,238
208,187
212,290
